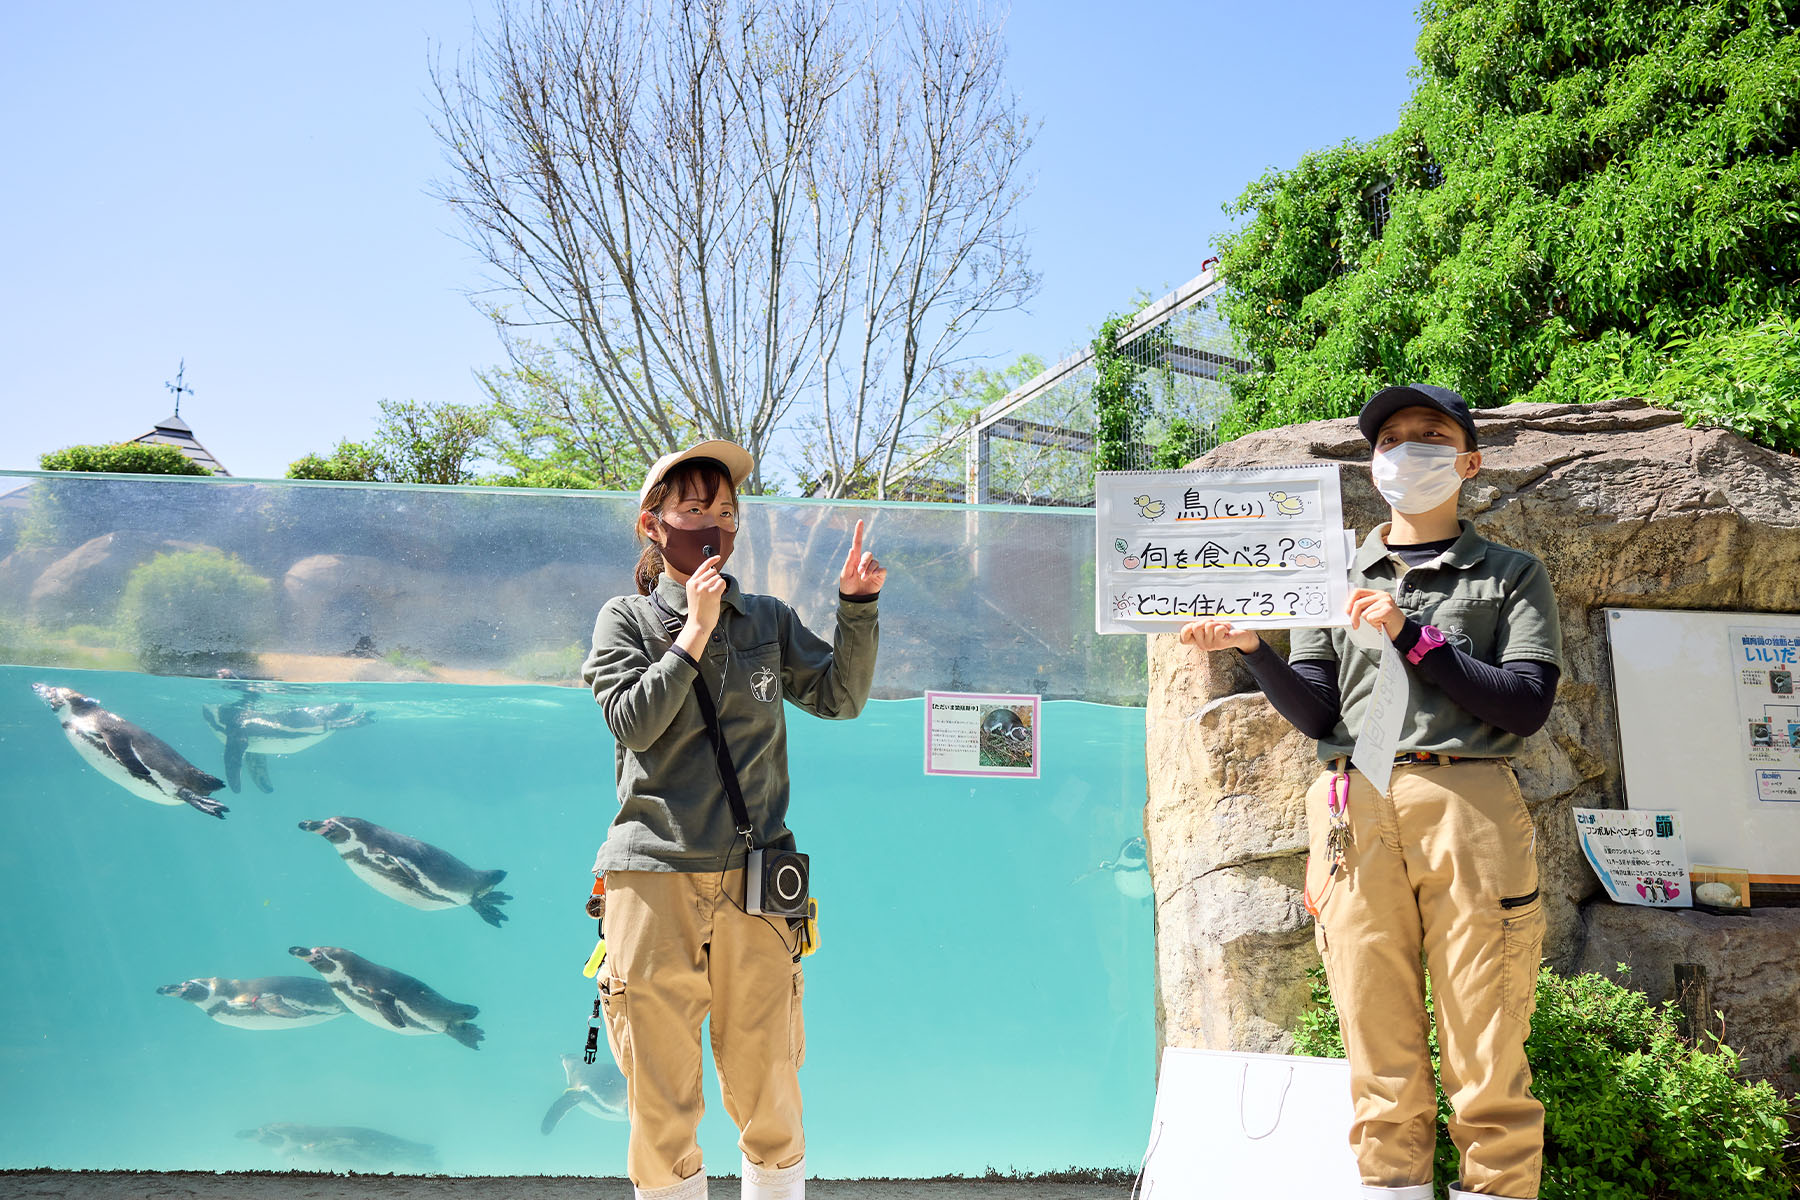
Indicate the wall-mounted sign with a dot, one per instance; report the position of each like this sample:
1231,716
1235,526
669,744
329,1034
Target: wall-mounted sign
1764,663
977,733
1263,548
1640,857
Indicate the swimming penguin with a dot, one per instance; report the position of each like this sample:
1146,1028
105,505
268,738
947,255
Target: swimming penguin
138,761
411,871
342,1146
1130,869
252,733
596,1087
389,999
272,1002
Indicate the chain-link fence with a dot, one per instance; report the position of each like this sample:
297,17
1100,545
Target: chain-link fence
1038,444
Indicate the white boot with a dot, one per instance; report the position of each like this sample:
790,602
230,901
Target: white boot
691,1188
1418,1191
1457,1193
775,1183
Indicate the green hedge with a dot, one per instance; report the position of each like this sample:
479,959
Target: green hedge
122,458
195,612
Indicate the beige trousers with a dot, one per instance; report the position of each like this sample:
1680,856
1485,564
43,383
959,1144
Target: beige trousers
1443,869
678,947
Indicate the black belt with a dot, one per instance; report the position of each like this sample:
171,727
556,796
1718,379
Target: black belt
1426,756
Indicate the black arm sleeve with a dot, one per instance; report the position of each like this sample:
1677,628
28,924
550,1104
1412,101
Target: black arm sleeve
1515,696
1306,693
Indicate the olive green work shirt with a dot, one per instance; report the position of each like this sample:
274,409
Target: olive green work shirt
1490,601
673,815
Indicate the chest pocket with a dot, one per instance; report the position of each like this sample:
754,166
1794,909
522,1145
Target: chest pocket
762,673
1469,625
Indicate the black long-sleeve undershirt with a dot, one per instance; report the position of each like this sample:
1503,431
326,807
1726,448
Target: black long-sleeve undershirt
1516,696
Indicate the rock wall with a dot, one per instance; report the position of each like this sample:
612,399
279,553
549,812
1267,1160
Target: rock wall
1627,508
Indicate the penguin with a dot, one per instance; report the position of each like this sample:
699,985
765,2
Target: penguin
597,1087
351,1146
389,999
138,761
251,733
411,871
272,1002
1130,869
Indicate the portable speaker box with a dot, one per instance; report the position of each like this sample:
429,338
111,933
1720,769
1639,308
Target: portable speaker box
776,883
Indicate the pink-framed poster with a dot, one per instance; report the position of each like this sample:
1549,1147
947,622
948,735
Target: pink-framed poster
980,733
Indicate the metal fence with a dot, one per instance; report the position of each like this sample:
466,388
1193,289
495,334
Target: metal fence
1037,444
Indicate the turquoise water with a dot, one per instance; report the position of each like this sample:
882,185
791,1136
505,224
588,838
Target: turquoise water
983,997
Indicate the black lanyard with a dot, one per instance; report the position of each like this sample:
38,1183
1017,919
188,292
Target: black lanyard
672,622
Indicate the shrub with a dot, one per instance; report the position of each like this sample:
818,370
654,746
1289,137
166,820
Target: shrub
195,612
123,458
1631,1111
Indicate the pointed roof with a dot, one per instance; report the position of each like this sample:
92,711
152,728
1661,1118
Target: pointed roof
173,431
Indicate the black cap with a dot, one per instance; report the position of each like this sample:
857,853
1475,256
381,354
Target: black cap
1390,400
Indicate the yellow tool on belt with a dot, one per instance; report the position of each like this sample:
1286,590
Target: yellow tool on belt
596,908
809,931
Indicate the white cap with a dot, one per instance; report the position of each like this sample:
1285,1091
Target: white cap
732,456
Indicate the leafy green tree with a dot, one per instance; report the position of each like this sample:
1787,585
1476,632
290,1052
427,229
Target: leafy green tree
123,458
414,443
550,426
1583,198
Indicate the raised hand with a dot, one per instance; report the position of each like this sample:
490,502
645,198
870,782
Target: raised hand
1214,634
705,590
862,574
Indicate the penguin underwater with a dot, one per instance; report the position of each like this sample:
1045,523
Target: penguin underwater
390,999
251,733
1130,869
342,1145
135,759
271,1002
597,1087
413,872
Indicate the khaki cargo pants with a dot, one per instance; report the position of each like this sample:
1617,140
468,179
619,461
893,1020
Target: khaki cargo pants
679,947
1442,869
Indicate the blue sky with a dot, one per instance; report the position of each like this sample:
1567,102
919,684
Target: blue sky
245,186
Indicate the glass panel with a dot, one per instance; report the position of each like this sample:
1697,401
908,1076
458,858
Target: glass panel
984,992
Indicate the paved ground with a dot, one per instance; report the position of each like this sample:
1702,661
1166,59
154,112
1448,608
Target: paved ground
183,1185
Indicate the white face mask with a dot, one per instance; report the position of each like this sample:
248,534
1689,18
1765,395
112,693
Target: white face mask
1416,478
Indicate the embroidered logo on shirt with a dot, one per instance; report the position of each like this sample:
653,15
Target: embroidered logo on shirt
762,684
1459,640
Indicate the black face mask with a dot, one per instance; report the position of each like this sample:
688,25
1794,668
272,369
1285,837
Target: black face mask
685,549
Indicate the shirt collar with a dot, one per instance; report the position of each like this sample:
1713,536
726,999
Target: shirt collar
674,594
1468,549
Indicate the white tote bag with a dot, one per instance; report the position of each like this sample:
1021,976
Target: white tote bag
1228,1124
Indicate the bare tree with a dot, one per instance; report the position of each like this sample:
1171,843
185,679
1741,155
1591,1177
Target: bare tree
726,207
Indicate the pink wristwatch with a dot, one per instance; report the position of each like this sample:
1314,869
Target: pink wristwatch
1429,639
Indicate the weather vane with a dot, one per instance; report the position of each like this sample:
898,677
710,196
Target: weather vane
178,387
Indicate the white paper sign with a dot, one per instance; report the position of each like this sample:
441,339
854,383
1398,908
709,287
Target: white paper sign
1765,664
1640,856
981,733
1263,548
1254,1125
1379,739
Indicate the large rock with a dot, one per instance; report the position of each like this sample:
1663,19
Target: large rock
1750,968
1625,506
84,586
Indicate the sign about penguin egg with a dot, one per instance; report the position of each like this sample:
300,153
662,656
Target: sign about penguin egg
978,733
1263,548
